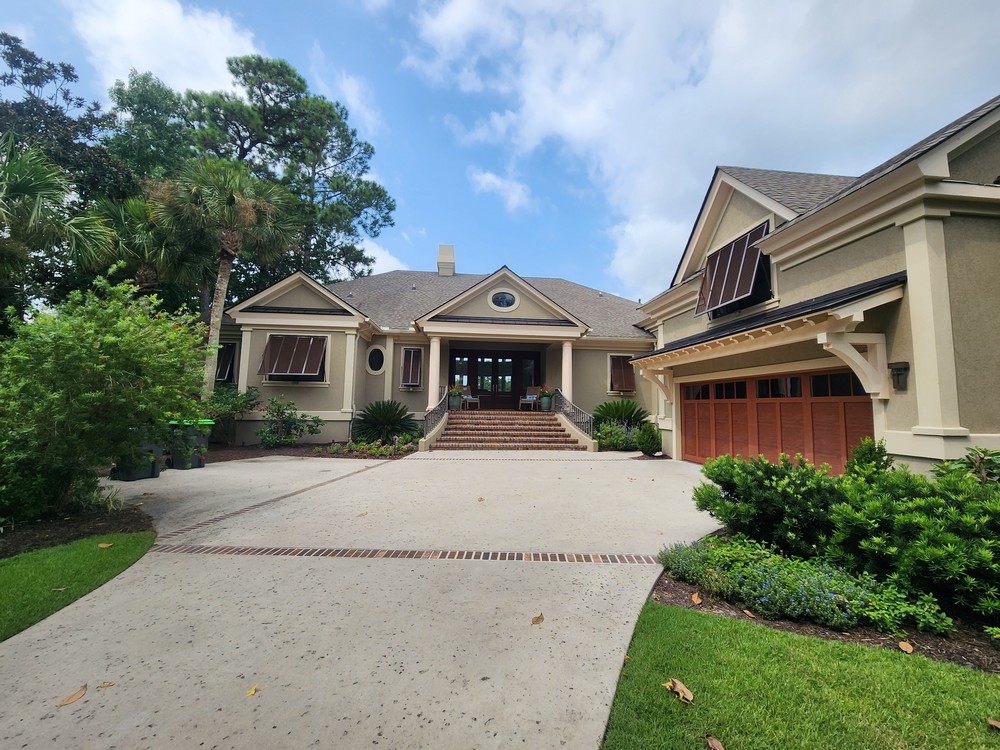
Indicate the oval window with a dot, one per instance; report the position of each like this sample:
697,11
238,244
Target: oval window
376,360
503,299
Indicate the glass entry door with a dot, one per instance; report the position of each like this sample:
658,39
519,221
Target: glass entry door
499,379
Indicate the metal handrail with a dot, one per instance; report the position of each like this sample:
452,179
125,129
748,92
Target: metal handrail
435,414
583,420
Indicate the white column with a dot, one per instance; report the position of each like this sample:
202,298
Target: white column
567,370
350,363
243,374
434,373
390,368
933,373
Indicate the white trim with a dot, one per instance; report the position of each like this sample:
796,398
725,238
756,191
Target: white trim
503,290
937,447
368,352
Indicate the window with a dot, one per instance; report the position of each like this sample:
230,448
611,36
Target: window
622,374
736,276
294,358
790,387
503,300
224,369
836,384
697,392
375,363
412,361
732,390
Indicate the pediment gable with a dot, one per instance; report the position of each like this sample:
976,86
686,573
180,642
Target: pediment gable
298,294
502,298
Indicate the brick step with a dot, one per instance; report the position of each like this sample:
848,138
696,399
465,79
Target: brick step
480,430
460,440
487,417
482,446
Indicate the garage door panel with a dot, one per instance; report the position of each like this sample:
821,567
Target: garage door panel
767,430
689,431
740,414
828,441
859,423
793,434
704,410
721,419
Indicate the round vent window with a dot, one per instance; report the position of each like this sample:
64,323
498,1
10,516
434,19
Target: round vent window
376,360
503,300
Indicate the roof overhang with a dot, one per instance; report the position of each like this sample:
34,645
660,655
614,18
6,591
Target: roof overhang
258,310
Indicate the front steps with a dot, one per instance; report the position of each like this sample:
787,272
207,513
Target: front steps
505,430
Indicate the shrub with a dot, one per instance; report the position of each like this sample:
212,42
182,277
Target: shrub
647,439
383,420
615,436
283,425
982,463
624,411
84,385
399,445
786,504
933,537
226,406
868,458
739,569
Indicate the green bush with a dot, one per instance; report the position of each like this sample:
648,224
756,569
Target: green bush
868,458
615,436
623,411
383,420
84,385
939,537
647,439
982,463
786,504
742,570
283,425
398,446
226,406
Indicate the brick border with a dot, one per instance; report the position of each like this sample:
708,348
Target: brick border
232,514
409,554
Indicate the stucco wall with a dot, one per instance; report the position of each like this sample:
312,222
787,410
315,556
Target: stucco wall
973,257
979,163
301,296
870,257
479,306
372,386
894,321
590,379
309,397
741,215
414,399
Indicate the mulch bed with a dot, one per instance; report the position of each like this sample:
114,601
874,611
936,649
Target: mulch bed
78,524
968,645
217,454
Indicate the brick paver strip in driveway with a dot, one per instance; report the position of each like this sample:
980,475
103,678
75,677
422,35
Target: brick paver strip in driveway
350,648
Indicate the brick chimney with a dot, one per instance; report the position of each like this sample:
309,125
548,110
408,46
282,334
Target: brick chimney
446,260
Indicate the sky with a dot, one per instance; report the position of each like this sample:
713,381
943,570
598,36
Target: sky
566,138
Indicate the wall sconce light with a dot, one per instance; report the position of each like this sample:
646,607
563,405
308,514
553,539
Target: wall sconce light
899,372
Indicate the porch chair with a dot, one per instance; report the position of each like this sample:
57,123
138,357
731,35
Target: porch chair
468,399
530,398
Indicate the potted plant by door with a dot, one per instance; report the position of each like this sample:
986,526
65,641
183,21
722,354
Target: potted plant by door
454,397
545,395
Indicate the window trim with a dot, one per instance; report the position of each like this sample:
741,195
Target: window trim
233,361
610,372
368,353
503,290
307,380
419,385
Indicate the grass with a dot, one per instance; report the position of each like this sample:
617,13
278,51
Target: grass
758,688
31,582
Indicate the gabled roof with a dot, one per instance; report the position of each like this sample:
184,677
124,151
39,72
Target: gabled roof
258,303
905,157
798,191
395,299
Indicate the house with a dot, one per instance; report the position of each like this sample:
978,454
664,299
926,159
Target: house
808,311
407,335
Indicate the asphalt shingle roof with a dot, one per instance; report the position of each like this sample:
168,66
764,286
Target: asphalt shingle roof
799,191
395,299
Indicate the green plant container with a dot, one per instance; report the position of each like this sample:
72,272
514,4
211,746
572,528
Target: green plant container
148,468
189,438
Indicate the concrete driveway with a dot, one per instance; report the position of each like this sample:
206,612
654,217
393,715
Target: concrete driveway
372,603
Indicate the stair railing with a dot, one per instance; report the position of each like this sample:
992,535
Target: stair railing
583,420
435,414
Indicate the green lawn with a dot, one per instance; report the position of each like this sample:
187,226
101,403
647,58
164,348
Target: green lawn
30,582
758,688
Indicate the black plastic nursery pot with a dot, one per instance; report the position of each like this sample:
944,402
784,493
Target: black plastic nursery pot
189,443
146,466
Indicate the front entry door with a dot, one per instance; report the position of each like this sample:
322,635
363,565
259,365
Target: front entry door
499,379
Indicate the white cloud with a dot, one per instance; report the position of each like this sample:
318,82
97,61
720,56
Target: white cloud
515,195
650,96
354,92
185,47
384,260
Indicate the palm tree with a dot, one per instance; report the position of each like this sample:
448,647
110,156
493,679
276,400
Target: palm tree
33,213
218,204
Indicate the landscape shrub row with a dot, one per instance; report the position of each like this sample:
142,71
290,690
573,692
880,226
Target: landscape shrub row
910,541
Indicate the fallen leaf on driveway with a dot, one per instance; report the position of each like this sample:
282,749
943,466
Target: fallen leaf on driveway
749,614
105,685
252,691
480,498
105,545
713,742
696,598
362,515
75,697
676,686
538,620
905,647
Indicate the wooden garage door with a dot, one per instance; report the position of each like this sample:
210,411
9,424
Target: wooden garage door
821,415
